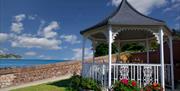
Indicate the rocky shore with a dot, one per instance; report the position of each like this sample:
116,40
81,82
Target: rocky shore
18,76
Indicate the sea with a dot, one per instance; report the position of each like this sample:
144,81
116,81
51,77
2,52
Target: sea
15,63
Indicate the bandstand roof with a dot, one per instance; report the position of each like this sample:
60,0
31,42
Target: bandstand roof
126,15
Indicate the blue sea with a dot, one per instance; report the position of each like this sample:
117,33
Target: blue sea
13,63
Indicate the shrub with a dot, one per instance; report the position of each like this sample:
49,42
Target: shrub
75,83
78,83
153,87
90,84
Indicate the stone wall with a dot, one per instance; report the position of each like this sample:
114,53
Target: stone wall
17,76
6,80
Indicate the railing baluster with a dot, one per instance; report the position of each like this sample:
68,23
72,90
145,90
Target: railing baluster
157,74
154,69
134,72
131,72
114,73
117,72
96,73
140,75
105,76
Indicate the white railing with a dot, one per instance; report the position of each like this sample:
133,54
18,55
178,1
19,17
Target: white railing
96,71
142,73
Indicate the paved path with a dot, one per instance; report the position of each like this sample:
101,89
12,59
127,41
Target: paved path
37,82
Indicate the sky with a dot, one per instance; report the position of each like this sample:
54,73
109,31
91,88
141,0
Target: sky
50,29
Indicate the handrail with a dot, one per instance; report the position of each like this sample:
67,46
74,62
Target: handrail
138,64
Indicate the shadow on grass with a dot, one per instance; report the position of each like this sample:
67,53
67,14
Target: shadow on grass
62,83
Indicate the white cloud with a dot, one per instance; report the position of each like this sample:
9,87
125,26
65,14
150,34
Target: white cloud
143,6
175,1
32,17
70,38
116,2
77,53
35,42
20,17
31,53
45,57
42,23
177,18
17,27
174,6
3,37
65,58
4,50
47,40
42,56
177,26
1,52
48,31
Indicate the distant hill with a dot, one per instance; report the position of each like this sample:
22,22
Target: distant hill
10,56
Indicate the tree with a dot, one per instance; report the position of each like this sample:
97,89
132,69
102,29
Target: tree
154,45
132,47
102,49
10,56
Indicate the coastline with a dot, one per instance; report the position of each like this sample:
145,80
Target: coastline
18,76
23,63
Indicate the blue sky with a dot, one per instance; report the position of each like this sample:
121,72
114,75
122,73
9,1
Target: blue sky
49,29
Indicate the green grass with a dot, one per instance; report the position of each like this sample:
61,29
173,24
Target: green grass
55,86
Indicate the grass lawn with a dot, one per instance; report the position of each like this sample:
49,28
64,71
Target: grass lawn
54,86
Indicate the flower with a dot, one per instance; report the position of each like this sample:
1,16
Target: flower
133,83
155,84
124,81
125,85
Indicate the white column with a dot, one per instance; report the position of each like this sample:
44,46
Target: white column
162,58
83,55
147,47
92,69
171,61
109,56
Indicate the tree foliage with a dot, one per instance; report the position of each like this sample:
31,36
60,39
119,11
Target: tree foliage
102,49
154,45
132,47
9,56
